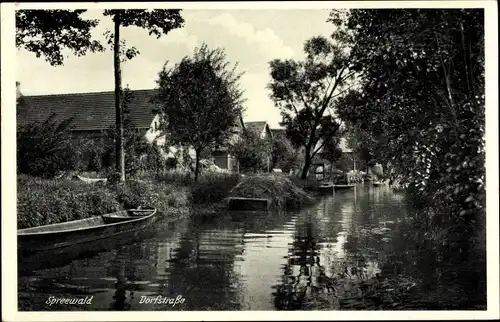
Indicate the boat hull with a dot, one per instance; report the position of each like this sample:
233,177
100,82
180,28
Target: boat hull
344,186
44,241
331,188
60,257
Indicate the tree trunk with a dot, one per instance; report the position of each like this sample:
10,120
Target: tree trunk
197,165
330,179
120,149
307,165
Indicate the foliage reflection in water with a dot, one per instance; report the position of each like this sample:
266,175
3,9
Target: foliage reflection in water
349,252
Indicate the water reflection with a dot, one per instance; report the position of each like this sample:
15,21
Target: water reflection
336,254
298,271
338,251
120,302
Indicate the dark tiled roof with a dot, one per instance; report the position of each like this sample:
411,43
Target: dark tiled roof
277,132
90,111
256,126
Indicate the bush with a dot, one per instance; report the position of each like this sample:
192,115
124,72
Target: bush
45,148
213,187
305,184
284,156
282,191
162,196
90,154
126,195
252,151
176,176
43,202
177,199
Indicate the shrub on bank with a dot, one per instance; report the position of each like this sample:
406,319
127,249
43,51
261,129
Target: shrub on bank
160,195
176,177
309,185
283,192
43,202
213,187
133,194
45,148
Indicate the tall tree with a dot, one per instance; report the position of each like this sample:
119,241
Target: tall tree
202,101
362,143
306,92
135,143
48,32
422,81
158,22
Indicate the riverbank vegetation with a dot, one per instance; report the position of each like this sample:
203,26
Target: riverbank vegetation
50,201
47,201
420,100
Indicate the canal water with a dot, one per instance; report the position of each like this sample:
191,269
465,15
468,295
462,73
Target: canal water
347,251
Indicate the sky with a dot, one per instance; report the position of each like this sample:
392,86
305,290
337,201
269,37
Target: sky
250,37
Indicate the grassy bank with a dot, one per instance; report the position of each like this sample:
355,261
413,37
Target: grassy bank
42,201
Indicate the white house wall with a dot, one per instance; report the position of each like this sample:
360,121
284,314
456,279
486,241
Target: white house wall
154,134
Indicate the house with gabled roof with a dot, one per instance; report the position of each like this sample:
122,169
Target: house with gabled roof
259,127
278,132
94,113
91,113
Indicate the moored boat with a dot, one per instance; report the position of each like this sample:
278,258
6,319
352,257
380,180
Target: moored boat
325,188
330,187
377,183
54,236
91,180
344,186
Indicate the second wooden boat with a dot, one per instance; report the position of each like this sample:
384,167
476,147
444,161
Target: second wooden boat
91,180
47,237
344,186
330,187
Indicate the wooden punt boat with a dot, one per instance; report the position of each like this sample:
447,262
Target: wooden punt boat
377,183
54,236
330,187
91,180
344,186
60,257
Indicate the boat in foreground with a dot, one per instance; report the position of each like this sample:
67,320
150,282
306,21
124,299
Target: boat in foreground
54,236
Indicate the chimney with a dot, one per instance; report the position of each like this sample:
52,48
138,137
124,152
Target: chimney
18,90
